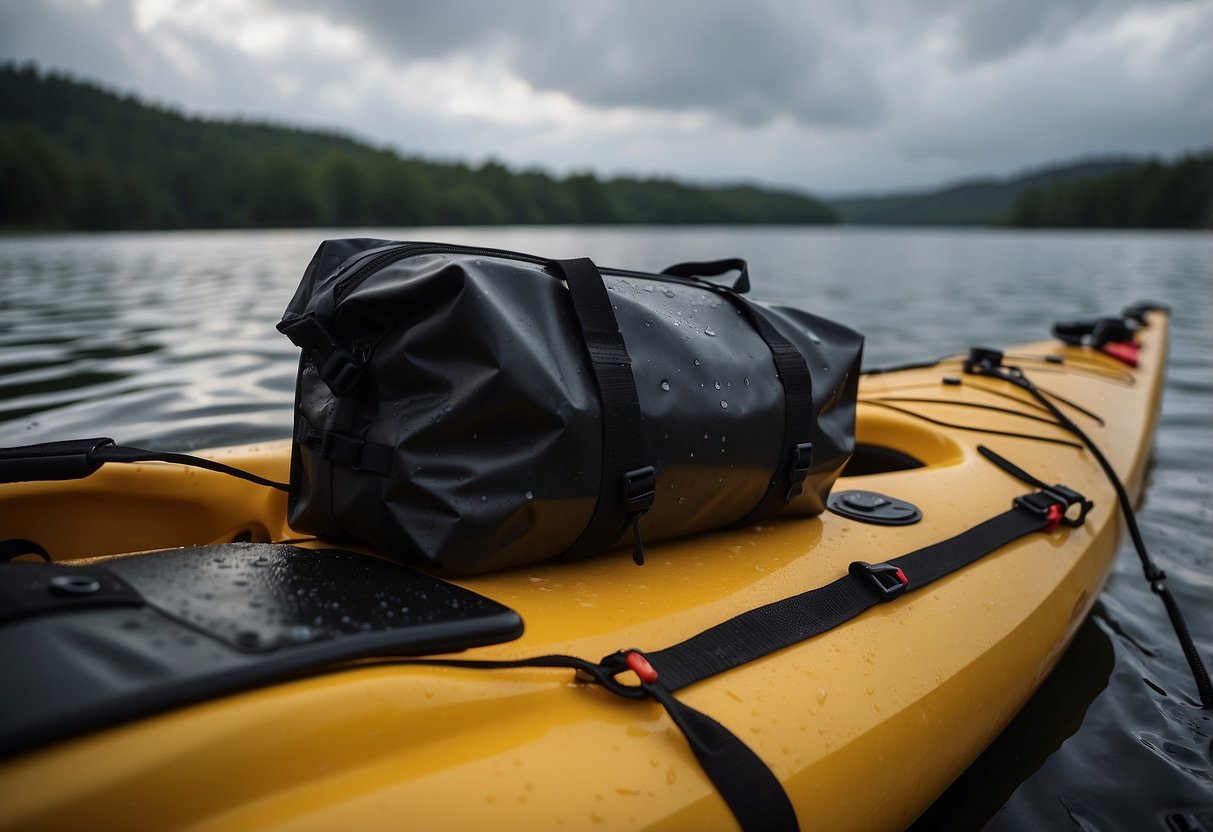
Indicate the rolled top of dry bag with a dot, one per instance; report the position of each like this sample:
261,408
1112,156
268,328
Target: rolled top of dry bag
475,409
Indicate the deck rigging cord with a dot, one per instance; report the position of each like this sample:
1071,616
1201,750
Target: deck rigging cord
989,363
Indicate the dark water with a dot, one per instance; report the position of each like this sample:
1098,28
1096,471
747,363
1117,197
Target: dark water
167,340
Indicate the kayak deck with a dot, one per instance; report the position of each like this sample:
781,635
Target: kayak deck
864,725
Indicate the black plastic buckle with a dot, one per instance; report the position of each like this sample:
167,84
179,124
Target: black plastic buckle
639,489
982,361
341,371
798,469
888,580
1040,502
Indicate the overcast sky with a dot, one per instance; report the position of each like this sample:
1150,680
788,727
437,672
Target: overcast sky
829,95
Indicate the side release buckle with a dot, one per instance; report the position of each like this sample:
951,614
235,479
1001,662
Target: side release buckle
888,580
798,468
1057,503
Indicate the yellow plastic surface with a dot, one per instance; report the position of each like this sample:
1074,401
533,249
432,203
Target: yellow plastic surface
905,696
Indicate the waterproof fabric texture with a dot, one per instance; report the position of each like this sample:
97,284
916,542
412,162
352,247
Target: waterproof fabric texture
473,409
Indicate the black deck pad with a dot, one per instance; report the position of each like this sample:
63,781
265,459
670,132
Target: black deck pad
90,646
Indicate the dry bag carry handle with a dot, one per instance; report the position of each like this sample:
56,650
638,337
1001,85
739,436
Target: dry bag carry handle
714,268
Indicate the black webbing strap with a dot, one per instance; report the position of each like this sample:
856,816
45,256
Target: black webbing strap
627,485
78,458
787,481
761,631
752,791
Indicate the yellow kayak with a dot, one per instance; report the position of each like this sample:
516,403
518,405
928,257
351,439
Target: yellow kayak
864,725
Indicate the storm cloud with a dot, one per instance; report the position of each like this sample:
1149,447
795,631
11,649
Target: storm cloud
828,96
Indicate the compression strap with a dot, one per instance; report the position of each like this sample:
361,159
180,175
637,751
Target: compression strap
751,790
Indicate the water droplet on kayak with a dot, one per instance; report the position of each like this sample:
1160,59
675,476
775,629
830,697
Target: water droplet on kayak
717,384
710,331
648,323
530,495
747,382
665,385
705,436
484,498
821,696
696,362
682,500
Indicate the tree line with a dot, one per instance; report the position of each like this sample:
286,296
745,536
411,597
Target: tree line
1152,195
76,156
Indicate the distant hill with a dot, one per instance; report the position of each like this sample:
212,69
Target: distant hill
74,155
1177,194
976,202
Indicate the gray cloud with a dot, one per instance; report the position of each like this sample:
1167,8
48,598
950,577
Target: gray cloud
830,95
747,63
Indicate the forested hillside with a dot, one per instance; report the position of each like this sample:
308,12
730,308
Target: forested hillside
73,155
977,202
1153,195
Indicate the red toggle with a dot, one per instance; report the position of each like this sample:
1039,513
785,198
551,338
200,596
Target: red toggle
639,665
901,576
1055,515
1126,352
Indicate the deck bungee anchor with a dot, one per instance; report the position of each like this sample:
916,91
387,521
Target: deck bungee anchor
990,363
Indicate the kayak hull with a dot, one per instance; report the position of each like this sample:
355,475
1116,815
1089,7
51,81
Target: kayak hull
864,725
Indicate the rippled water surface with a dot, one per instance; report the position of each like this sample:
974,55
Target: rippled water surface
168,340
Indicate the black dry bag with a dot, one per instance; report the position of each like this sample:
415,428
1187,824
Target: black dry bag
476,409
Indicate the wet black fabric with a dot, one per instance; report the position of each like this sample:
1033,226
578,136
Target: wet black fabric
86,646
449,412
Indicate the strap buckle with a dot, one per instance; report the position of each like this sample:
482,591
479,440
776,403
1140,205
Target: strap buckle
639,489
798,468
1055,503
339,368
888,580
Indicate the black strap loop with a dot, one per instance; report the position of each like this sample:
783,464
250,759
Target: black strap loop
626,486
787,481
714,268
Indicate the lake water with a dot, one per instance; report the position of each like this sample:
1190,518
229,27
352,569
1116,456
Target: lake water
167,340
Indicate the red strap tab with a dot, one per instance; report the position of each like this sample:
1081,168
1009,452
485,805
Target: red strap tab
639,665
1055,515
1126,352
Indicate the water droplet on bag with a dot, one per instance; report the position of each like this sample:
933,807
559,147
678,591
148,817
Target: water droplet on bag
530,495
709,331
696,362
665,385
717,384
648,288
724,404
747,382
648,323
